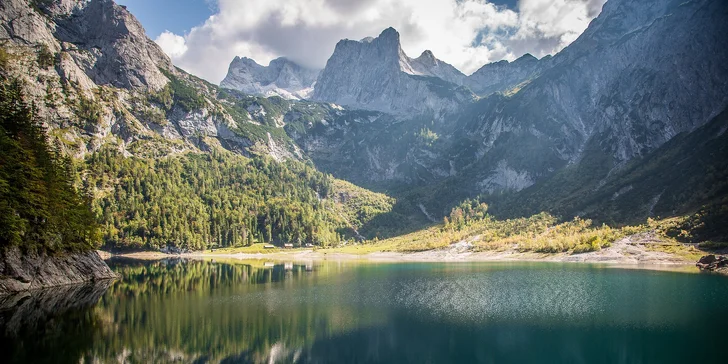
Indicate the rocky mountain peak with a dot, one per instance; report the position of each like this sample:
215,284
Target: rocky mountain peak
528,57
282,77
503,76
102,39
389,35
376,74
427,56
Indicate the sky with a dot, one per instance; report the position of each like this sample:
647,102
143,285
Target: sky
203,36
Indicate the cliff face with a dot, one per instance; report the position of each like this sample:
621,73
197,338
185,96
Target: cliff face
97,79
101,38
376,74
504,76
282,78
625,87
23,272
642,74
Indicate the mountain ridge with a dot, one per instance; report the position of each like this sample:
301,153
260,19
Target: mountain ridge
378,75
617,95
282,77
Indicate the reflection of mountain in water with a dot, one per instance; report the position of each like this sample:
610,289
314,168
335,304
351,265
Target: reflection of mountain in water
56,322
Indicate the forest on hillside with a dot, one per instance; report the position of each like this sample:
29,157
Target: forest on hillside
40,207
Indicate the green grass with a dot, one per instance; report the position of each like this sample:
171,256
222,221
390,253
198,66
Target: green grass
541,233
258,248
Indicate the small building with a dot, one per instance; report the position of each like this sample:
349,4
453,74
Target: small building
269,246
309,245
288,246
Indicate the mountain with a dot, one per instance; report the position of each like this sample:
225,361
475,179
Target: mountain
504,76
168,160
603,129
643,73
376,74
101,43
281,77
427,65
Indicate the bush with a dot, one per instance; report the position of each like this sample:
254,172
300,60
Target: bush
4,58
184,95
46,59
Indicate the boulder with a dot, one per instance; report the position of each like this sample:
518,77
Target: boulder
713,264
29,271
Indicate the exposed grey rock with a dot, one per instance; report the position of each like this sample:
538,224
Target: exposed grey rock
105,62
29,271
427,65
120,52
376,74
712,263
642,73
504,76
282,78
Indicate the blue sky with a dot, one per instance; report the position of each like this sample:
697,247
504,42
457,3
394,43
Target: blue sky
176,16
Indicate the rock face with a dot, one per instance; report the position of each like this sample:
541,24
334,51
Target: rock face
103,81
282,78
427,65
506,76
601,88
586,119
22,272
712,263
376,74
104,39
625,87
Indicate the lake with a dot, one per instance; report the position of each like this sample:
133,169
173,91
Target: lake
348,312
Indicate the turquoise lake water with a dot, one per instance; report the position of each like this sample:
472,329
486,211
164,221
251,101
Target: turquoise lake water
347,312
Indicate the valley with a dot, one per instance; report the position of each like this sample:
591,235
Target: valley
462,181
377,149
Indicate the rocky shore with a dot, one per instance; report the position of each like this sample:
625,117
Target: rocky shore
23,272
712,263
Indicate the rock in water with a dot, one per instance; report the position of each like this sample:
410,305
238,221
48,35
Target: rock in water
712,263
21,272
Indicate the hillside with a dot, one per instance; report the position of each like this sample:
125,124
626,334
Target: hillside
172,162
625,123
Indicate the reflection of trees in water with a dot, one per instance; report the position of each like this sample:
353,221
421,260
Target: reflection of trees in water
202,311
188,310
54,325
182,275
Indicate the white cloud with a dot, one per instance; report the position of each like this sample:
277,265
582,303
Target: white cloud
174,45
465,33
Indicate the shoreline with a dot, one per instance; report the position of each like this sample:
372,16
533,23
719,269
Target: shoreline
21,272
395,257
623,253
